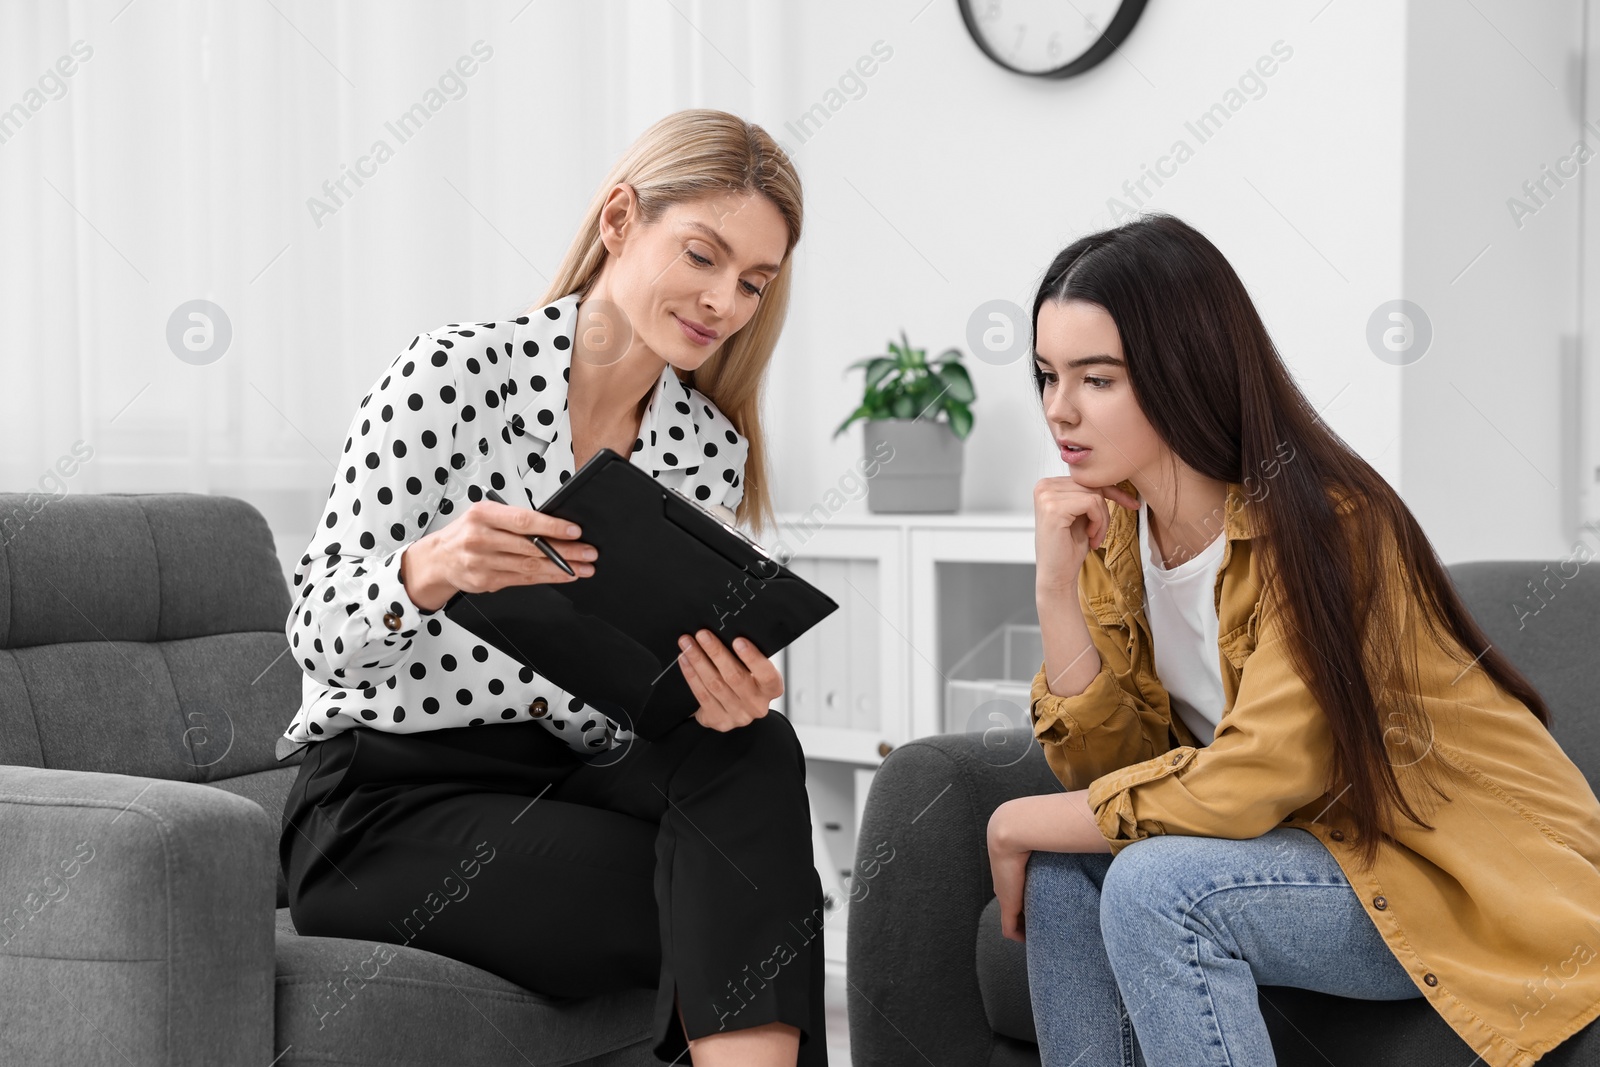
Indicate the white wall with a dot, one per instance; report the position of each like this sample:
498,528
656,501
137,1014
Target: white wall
180,159
951,182
1492,97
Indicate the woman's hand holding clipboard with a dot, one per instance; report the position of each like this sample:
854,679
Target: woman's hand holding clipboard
724,680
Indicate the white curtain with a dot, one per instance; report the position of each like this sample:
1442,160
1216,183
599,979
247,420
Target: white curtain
196,151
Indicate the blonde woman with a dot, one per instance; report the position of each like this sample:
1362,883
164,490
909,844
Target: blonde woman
588,859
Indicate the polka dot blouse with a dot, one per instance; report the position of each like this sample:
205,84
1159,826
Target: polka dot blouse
462,408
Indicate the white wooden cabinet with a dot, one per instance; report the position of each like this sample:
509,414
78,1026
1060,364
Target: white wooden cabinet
915,594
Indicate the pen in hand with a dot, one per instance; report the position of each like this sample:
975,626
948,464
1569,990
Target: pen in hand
542,544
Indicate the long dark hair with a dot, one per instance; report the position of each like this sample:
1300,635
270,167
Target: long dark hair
1214,387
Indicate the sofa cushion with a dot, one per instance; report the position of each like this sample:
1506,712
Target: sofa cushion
345,1001
143,634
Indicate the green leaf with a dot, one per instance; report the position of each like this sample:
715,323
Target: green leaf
862,363
960,385
960,417
877,370
902,407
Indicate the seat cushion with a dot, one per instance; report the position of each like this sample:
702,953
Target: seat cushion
342,1001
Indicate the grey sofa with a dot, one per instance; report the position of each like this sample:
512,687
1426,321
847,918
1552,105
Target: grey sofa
143,684
931,979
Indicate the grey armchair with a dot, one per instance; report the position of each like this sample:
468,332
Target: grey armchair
931,979
143,920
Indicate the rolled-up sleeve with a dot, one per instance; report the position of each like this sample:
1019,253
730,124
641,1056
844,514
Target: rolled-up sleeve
1271,756
1108,725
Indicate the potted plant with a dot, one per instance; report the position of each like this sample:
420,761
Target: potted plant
918,454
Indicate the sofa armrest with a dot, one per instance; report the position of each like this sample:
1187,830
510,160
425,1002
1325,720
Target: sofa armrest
920,884
135,913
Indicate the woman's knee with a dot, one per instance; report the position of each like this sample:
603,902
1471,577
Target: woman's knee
767,742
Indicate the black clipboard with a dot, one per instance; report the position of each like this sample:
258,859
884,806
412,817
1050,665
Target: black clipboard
666,567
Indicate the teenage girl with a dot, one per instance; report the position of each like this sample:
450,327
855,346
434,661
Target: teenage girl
1289,755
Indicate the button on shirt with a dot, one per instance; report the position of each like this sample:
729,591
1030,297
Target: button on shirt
463,408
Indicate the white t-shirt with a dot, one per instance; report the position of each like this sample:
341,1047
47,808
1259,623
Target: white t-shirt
1181,606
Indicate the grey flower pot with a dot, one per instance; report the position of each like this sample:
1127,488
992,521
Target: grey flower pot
922,473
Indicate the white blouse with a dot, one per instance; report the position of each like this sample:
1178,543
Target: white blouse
1181,605
463,407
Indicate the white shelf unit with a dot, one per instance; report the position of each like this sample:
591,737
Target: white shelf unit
916,593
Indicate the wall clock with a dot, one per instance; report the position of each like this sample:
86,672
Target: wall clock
1049,38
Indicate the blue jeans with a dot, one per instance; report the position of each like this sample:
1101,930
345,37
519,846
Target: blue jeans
1168,941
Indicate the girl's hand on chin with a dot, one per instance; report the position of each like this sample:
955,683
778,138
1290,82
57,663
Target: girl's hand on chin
1069,521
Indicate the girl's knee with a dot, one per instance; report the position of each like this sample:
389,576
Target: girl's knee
1059,879
1152,875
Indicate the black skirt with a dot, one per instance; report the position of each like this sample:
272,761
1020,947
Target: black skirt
683,865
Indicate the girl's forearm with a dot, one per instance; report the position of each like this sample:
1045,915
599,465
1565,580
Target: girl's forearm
1070,658
1051,822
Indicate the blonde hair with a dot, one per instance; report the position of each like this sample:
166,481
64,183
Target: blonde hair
687,155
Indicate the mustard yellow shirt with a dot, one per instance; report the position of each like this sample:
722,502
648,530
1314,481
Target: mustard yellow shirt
1495,913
